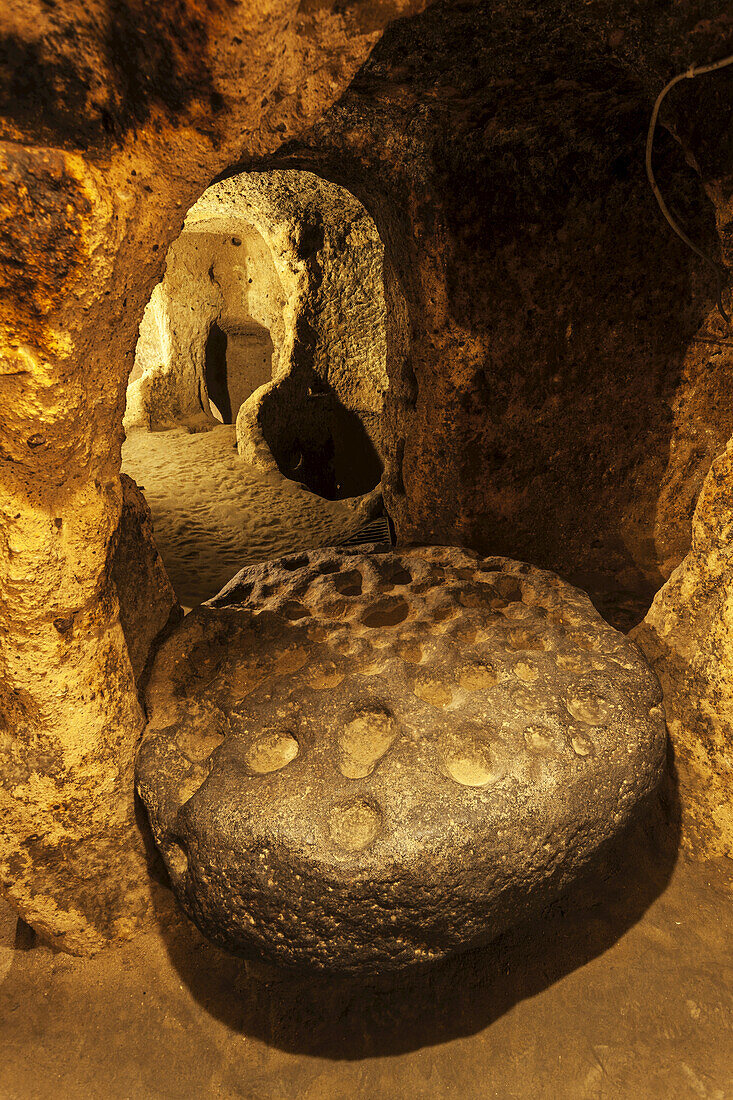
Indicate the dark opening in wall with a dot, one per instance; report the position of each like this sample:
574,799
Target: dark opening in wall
216,373
316,440
237,361
249,361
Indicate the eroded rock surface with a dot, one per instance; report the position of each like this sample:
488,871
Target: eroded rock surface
365,761
113,121
147,600
687,639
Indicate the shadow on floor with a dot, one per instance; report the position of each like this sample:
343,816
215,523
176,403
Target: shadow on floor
316,440
330,1018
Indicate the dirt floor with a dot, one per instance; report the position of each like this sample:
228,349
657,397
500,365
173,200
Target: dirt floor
213,513
624,990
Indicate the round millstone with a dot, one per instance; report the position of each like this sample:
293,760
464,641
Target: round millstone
362,761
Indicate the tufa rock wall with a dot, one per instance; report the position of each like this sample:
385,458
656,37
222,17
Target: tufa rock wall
113,122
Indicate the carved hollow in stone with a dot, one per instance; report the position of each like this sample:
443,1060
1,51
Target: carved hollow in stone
433,748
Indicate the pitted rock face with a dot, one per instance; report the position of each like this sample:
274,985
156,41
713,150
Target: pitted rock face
360,761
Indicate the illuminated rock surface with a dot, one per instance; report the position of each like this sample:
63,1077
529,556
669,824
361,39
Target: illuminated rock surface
114,122
359,762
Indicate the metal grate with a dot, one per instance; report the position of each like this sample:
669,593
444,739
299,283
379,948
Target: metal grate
378,531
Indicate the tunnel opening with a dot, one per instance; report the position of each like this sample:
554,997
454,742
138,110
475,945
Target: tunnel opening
216,374
249,361
237,361
260,372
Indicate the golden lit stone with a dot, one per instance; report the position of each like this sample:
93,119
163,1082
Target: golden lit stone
272,751
354,825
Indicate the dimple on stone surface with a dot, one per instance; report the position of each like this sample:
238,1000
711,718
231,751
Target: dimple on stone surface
272,751
433,747
364,741
354,825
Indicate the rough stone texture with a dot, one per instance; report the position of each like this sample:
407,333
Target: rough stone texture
687,636
147,601
688,633
294,257
67,812
113,121
531,398
703,415
359,762
559,380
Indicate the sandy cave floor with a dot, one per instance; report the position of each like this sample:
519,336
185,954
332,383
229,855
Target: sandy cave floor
627,994
213,513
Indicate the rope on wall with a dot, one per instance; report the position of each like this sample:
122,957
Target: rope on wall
720,272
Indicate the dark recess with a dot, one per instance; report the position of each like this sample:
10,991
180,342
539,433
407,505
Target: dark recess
215,368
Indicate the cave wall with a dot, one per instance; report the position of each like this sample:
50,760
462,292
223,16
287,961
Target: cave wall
535,410
113,121
148,604
565,387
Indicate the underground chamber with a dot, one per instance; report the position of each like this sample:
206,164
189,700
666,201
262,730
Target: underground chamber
364,554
